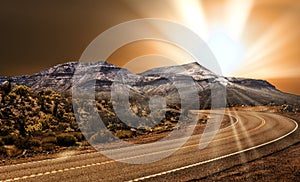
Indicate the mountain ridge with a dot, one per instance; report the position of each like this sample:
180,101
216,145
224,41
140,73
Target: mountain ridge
240,91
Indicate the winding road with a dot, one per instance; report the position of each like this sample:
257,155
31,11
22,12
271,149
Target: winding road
249,131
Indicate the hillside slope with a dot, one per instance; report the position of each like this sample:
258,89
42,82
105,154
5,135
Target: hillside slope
158,81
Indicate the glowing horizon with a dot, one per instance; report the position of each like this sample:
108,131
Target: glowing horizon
258,57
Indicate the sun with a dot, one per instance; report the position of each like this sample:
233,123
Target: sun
222,33
229,53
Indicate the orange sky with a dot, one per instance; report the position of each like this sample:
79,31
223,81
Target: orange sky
37,35
139,56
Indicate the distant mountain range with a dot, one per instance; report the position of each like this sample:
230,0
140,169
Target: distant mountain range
239,91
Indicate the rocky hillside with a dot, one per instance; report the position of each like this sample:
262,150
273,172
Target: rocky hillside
158,81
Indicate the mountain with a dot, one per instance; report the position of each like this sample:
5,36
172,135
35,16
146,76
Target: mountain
239,91
157,81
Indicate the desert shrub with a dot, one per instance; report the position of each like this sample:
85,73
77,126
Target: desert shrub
9,139
62,126
35,142
67,117
5,113
124,134
12,151
34,128
74,124
102,136
1,142
47,120
78,136
22,143
11,97
49,139
48,146
3,151
28,143
21,90
66,139
48,133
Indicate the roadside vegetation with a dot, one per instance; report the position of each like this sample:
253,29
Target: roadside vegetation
35,122
43,122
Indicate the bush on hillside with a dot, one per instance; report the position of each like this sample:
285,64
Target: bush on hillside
1,142
49,139
124,134
9,139
48,146
66,139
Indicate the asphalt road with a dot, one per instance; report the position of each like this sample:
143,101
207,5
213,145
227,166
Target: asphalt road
248,132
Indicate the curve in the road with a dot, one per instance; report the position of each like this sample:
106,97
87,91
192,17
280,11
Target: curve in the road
69,168
224,156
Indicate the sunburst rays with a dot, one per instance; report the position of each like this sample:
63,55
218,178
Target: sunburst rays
237,16
192,14
264,56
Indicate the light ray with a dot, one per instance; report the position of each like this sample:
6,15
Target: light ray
238,13
260,58
272,36
246,134
273,72
193,16
237,139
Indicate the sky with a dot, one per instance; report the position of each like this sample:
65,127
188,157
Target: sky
250,38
